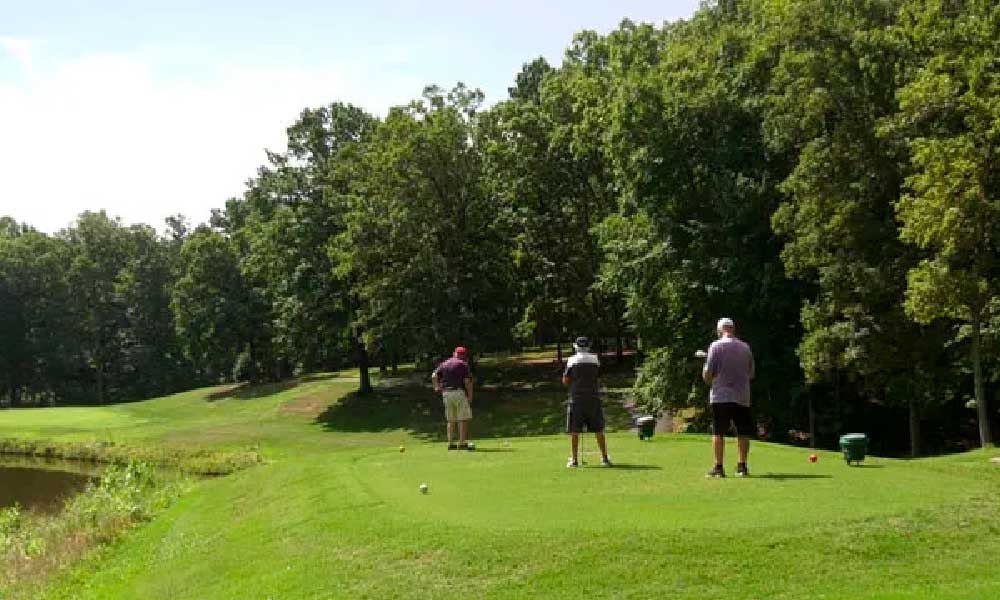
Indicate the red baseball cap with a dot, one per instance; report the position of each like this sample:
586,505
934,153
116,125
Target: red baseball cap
460,350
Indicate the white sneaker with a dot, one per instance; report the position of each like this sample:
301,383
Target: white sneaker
572,464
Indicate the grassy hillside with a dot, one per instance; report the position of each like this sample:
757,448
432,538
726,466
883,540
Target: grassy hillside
336,512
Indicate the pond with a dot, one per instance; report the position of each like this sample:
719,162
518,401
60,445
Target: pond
39,485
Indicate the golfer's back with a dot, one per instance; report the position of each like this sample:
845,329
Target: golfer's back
583,369
453,373
730,363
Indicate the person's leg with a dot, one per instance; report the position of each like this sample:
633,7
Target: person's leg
464,415
573,428
595,422
720,423
451,416
744,429
719,445
603,445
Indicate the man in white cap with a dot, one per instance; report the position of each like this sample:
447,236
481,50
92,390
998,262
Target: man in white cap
728,369
584,409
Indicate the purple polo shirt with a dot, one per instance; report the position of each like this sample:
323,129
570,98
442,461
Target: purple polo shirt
452,373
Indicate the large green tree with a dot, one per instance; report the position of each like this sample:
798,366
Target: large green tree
950,112
692,239
833,84
101,251
425,246
286,221
39,356
213,306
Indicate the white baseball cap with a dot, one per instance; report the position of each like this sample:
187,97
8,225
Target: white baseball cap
725,323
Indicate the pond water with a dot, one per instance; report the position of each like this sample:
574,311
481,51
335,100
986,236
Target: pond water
38,485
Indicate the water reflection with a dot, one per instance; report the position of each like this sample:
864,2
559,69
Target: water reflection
40,485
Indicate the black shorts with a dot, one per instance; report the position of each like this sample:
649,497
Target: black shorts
729,412
580,416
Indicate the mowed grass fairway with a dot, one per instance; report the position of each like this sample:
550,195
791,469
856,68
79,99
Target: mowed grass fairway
336,511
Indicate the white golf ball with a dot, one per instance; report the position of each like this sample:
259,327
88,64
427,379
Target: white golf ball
423,488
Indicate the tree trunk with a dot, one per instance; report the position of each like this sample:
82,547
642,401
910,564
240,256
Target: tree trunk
812,423
560,331
619,347
365,385
914,429
100,383
395,362
985,437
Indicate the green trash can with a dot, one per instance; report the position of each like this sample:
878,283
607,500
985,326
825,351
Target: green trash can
854,446
647,425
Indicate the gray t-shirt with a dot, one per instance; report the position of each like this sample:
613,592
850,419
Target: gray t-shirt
730,362
582,369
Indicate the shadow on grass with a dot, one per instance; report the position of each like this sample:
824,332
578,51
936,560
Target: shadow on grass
511,400
867,466
789,476
247,391
496,413
632,467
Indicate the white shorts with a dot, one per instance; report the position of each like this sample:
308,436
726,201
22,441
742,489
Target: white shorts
456,406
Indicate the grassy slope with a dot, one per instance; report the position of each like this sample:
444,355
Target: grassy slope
336,512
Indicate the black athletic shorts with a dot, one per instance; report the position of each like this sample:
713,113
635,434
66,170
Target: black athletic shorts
729,412
579,416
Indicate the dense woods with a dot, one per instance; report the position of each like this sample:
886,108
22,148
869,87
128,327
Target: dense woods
825,173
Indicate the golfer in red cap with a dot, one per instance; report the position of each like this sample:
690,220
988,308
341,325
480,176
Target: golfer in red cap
453,380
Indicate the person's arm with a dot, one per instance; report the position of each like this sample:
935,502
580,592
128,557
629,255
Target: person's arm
566,379
708,371
468,388
436,381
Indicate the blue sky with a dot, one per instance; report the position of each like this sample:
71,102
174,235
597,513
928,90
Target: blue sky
146,109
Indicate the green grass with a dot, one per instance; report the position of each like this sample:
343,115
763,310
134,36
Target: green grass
336,512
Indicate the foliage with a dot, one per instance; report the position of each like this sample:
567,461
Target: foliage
36,547
949,111
822,172
425,248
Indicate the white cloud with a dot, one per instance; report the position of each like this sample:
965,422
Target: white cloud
112,131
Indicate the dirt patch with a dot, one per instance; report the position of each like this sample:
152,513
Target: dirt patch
312,405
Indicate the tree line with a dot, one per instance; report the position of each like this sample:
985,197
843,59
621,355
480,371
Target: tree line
822,172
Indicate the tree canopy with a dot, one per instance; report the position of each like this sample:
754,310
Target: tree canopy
822,172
